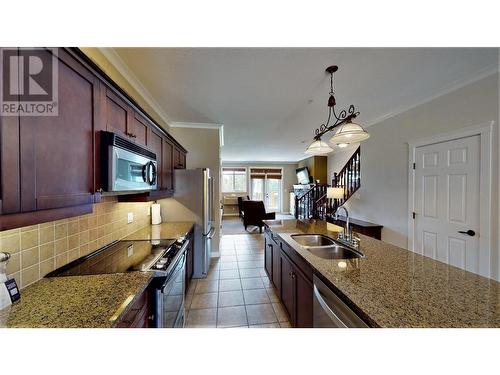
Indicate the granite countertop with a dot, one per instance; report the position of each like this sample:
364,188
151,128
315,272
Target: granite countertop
96,301
394,287
162,231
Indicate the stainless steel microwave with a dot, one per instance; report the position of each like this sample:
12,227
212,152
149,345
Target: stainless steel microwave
125,165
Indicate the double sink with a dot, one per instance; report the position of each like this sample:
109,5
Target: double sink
325,247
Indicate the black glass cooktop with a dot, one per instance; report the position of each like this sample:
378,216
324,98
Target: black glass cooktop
119,257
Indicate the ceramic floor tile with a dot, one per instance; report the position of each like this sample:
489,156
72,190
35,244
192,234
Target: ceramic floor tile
267,283
207,286
231,316
256,296
206,318
249,272
260,314
229,284
280,312
273,295
266,325
228,258
229,274
285,325
250,264
252,283
232,298
229,266
204,301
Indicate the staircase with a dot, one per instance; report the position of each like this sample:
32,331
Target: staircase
315,205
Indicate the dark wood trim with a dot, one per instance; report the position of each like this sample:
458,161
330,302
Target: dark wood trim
107,80
37,217
146,196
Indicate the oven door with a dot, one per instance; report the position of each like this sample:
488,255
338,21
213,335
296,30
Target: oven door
130,171
172,297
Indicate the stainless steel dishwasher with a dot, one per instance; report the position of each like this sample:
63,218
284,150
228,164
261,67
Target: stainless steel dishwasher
329,311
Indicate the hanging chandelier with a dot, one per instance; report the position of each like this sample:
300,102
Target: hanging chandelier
344,130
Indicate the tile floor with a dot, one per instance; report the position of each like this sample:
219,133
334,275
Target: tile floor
237,292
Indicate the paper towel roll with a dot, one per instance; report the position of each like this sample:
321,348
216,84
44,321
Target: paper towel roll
155,214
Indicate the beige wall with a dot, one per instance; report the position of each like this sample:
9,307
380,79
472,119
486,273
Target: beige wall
383,196
100,60
39,249
289,178
317,166
203,146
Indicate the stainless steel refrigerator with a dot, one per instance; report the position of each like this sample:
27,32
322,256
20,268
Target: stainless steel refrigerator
194,190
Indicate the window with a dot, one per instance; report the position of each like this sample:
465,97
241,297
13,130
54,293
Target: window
234,180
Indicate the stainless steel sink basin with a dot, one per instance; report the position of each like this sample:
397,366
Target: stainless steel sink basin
325,247
312,240
334,252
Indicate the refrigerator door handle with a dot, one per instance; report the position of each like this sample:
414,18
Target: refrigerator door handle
211,233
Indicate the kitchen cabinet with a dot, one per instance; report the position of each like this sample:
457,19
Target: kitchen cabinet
291,277
296,293
167,181
50,165
140,129
52,155
140,314
179,158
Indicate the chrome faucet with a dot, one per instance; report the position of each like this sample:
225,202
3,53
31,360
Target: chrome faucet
347,231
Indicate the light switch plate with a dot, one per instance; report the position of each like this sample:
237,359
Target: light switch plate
130,217
130,250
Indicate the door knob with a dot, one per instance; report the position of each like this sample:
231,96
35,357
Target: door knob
470,232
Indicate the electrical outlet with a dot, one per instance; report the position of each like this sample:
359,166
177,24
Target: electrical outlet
130,217
130,250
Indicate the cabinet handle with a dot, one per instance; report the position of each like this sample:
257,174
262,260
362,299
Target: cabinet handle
151,317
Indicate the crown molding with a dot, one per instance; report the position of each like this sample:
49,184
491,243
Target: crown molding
120,65
456,85
201,125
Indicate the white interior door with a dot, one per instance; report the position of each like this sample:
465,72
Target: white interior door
447,186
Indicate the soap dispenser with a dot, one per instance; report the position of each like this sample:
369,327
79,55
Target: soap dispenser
8,288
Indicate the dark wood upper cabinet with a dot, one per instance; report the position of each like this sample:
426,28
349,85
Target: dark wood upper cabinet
56,152
140,129
167,181
118,114
179,158
50,165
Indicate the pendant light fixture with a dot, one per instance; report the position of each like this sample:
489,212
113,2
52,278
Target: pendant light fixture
345,131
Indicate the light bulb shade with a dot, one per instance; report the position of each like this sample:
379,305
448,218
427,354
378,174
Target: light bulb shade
349,133
335,193
318,147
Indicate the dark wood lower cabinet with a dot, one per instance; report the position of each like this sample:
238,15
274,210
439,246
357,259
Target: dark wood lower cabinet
140,314
292,278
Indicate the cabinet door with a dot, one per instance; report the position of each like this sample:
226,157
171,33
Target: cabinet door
287,287
177,158
167,166
268,257
155,143
57,166
119,116
139,130
303,304
10,200
276,279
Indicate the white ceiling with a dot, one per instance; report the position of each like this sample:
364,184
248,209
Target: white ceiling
270,100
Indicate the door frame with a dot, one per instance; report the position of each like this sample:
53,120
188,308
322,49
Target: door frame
485,132
249,180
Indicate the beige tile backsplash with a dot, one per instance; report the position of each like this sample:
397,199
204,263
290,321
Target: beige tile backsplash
39,249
